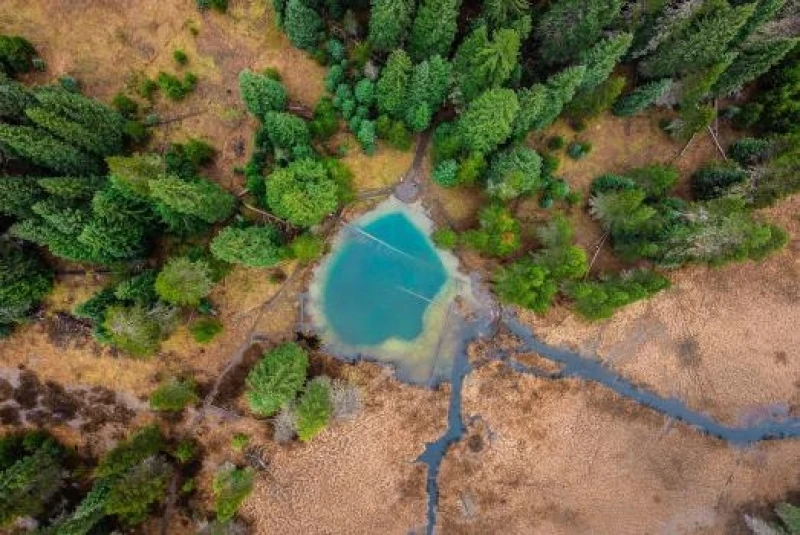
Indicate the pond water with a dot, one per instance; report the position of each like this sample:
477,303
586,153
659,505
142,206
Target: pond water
385,293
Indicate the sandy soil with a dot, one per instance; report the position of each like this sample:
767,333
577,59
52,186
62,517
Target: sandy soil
569,457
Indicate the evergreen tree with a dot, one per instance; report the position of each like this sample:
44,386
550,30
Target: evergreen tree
569,27
173,396
286,131
133,174
560,87
753,61
641,98
314,409
16,55
80,188
71,132
261,93
140,445
231,487
481,63
118,227
389,22
498,233
184,282
601,59
276,379
31,480
427,90
255,246
367,137
434,28
621,210
514,172
24,281
132,495
90,511
765,10
302,193
302,24
135,329
501,13
392,87
526,284
487,122
17,196
698,44
42,149
588,103
199,198
597,300
14,98
532,103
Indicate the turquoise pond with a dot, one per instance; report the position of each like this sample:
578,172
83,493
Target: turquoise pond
381,281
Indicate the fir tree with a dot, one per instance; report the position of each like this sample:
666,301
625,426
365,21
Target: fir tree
255,246
569,27
498,233
303,25
302,193
314,409
24,281
199,198
434,28
753,61
184,282
18,194
276,379
526,284
261,93
427,89
560,87
14,98
231,486
641,98
392,86
601,59
389,22
132,495
532,103
135,329
765,10
133,174
514,172
487,122
481,63
16,55
42,149
28,484
286,131
501,13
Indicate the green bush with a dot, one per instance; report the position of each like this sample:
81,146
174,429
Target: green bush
261,93
715,180
313,410
205,330
125,105
303,193
577,150
597,300
498,233
445,238
657,180
175,88
526,284
136,329
16,55
180,57
307,248
173,396
217,5
749,151
276,379
24,281
445,173
231,487
254,246
555,143
143,485
143,443
184,282
325,123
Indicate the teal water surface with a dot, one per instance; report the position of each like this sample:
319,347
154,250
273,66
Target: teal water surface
381,281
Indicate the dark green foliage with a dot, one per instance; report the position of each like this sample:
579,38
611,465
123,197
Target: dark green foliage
765,10
392,87
261,93
577,150
620,210
231,487
205,330
16,55
200,198
597,300
185,159
514,172
555,143
135,491
302,193
487,122
217,5
313,410
180,57
306,248
426,92
715,180
471,168
126,106
286,131
571,26
389,23
445,238
255,246
693,119
31,475
526,284
144,443
133,174
24,281
147,88
601,59
434,28
532,103
657,180
503,12
14,98
17,196
94,308
175,88
559,91
173,396
394,133
782,173
592,102
334,77
184,282
445,173
42,149
276,379
699,43
641,98
498,233
777,105
303,25
367,137
752,61
325,123
749,151
89,512
482,63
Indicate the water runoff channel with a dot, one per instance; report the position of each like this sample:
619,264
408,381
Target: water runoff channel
396,255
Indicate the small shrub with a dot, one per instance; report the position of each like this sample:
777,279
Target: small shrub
173,396
125,105
205,330
749,151
239,441
577,150
313,410
445,238
445,173
146,88
185,451
555,143
216,5
184,282
175,88
180,57
16,55
656,180
306,248
231,487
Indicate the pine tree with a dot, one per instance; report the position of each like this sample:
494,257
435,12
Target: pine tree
199,198
487,122
42,149
621,210
514,172
18,194
286,131
641,98
389,22
184,282
261,93
434,29
24,281
532,103
314,409
500,13
601,59
569,27
16,55
702,42
133,174
256,246
561,87
132,495
302,193
276,379
427,89
481,63
69,131
526,284
118,227
14,98
764,12
28,484
135,329
392,87
302,24
753,61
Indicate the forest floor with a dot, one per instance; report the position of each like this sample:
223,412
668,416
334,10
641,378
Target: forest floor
540,457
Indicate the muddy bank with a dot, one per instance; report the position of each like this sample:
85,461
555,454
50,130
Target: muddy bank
572,457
